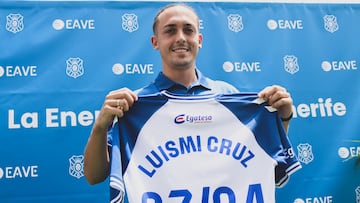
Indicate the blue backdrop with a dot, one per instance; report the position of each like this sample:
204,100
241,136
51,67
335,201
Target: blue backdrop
58,60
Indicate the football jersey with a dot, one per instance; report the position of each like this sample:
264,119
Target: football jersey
201,149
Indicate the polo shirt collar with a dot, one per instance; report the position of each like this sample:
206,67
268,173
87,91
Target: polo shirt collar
164,83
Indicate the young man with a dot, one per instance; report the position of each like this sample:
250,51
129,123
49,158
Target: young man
176,36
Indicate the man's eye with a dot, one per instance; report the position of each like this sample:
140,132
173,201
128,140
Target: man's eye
170,31
189,30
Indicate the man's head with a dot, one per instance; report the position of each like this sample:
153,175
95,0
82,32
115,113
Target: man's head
176,36
156,19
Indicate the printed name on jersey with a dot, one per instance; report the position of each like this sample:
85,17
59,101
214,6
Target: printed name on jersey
172,149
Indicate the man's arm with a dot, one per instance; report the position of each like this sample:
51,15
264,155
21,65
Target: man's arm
96,155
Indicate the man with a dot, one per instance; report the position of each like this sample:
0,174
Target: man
177,37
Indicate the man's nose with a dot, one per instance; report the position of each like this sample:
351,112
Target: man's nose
180,36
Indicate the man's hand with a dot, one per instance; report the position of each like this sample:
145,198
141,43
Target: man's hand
279,98
116,103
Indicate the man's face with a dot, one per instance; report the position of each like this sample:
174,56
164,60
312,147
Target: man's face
177,37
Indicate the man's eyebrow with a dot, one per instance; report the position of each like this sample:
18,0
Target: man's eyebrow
189,25
169,25
174,25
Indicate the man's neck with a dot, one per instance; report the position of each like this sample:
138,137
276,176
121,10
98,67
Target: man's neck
185,77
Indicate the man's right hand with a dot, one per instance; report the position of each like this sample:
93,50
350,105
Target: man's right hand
116,103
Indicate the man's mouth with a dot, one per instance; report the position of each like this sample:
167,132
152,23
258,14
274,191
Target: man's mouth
180,50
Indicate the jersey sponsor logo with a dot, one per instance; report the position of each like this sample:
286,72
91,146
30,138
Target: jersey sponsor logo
182,118
179,119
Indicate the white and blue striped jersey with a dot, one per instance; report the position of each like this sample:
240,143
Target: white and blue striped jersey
202,149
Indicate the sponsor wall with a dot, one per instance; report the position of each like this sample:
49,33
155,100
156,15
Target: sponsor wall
58,60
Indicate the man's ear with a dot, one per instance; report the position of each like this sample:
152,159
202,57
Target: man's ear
200,40
154,42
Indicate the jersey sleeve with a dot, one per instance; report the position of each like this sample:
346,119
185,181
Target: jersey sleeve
117,188
288,163
271,135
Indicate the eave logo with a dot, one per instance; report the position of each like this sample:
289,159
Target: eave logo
13,172
285,24
252,66
74,24
348,153
325,199
344,65
18,71
132,69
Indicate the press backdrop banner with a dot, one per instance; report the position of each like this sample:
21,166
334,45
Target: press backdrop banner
58,60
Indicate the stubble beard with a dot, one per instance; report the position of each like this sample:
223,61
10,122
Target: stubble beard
182,64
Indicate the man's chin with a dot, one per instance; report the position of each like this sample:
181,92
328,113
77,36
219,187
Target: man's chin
182,65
